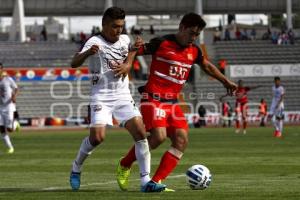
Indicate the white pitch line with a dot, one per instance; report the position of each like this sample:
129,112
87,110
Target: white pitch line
103,183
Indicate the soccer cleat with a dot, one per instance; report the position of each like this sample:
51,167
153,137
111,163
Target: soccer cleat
123,174
244,132
237,131
10,150
277,134
75,180
151,186
167,189
18,126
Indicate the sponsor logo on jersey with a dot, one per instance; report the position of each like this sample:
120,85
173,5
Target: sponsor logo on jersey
190,56
97,108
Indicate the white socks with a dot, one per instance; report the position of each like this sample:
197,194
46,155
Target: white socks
280,125
6,140
143,157
85,150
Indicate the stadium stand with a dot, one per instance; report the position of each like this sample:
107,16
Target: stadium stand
256,52
37,54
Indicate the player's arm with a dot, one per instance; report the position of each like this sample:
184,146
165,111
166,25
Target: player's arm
15,90
14,95
79,58
280,100
122,69
213,71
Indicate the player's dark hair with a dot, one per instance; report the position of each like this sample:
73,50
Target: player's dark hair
192,20
276,78
113,13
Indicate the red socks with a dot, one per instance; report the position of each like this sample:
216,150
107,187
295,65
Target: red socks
167,164
129,158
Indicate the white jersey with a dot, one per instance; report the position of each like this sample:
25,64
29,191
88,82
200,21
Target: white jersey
104,85
7,86
277,93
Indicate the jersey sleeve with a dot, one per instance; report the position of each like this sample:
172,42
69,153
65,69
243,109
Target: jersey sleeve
88,45
153,45
282,91
12,83
126,39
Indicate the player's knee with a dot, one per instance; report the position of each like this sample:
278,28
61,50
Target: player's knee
97,139
180,142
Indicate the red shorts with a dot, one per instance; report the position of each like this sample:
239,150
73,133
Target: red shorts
159,114
241,108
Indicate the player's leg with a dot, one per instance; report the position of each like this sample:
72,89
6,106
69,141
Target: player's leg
129,114
178,132
170,159
244,111
5,126
279,118
237,118
100,116
157,136
142,153
89,143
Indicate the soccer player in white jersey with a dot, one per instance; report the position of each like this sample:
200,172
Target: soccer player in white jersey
110,95
277,107
8,94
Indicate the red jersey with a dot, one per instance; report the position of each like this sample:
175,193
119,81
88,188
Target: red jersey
171,65
241,95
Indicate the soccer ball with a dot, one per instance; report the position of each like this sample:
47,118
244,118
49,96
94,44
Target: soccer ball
198,177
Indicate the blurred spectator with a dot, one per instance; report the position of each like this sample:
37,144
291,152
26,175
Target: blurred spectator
152,31
227,34
244,35
44,34
253,34
217,35
267,35
262,112
291,36
202,114
222,66
274,37
238,34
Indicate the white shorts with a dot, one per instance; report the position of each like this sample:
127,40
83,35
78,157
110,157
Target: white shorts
7,118
102,112
279,112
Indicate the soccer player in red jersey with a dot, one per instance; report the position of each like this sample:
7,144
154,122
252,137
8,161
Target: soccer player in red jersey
241,105
172,59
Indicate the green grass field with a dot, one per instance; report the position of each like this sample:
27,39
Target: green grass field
253,166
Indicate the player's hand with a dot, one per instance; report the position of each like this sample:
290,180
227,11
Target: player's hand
231,87
120,69
94,49
138,43
13,99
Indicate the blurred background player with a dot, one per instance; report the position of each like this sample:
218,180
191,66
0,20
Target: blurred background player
110,95
277,107
241,105
263,111
172,58
8,94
